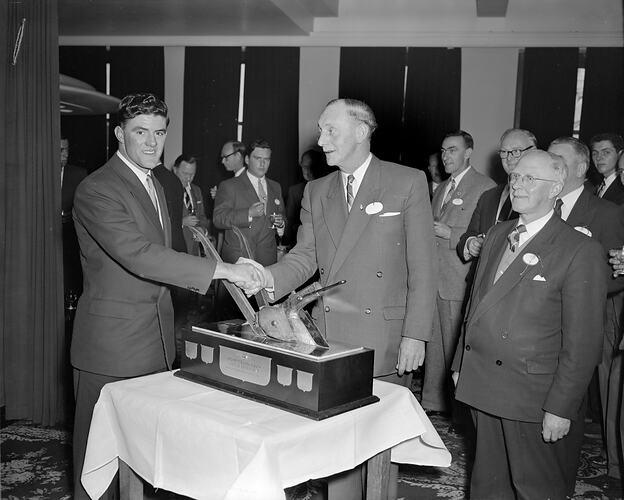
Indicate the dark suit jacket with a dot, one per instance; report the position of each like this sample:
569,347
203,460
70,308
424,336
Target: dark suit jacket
615,193
234,197
383,248
192,246
72,274
293,208
174,192
531,340
124,321
72,176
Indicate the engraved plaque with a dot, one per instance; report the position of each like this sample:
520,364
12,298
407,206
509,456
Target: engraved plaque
245,366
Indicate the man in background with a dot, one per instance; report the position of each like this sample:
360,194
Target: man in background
193,208
435,176
124,321
494,205
531,341
233,159
606,150
453,203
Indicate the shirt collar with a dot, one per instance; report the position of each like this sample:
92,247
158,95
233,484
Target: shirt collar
569,200
460,176
239,171
359,172
254,180
609,179
137,171
532,228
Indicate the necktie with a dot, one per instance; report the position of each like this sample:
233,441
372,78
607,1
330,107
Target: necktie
601,189
350,197
557,207
188,203
262,193
448,196
152,193
514,237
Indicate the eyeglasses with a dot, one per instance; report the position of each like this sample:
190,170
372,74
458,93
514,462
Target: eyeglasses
223,157
504,153
527,180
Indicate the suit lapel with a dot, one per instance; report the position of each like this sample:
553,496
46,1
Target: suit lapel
438,198
580,213
166,223
357,219
335,209
518,270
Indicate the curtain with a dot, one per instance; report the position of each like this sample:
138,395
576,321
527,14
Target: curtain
376,76
32,281
271,107
4,62
548,92
86,134
432,102
211,82
603,99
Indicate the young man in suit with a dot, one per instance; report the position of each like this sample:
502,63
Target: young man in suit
606,150
369,224
453,204
193,208
495,205
248,202
124,321
531,340
603,221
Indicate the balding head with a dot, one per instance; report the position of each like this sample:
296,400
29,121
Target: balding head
513,144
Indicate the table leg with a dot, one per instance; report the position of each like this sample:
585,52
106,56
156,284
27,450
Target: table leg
130,485
377,476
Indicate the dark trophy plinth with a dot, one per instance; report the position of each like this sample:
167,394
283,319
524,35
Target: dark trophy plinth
304,379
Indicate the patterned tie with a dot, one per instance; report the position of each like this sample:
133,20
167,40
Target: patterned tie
152,193
514,237
350,197
262,193
557,207
601,189
188,202
449,195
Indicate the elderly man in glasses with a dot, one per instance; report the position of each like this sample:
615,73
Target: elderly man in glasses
495,205
532,338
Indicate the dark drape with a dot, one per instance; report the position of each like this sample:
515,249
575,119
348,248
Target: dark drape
376,76
211,83
432,102
32,281
548,92
86,134
4,34
603,95
271,107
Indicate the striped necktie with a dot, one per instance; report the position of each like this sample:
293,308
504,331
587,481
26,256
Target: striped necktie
514,237
350,197
448,196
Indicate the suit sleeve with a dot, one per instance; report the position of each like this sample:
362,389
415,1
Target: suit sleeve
226,215
110,223
583,296
298,265
421,263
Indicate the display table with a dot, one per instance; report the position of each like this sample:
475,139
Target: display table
208,444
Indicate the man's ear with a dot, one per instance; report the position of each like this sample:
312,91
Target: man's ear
247,160
119,134
361,132
467,153
556,189
581,169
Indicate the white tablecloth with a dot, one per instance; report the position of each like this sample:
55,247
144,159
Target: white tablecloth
209,444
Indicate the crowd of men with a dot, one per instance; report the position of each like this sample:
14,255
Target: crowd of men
503,292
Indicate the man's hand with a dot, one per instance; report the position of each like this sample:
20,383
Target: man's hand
190,221
617,261
213,192
242,275
411,355
442,230
474,245
256,210
266,278
554,427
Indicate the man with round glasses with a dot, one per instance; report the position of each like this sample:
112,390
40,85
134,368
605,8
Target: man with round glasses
531,341
495,205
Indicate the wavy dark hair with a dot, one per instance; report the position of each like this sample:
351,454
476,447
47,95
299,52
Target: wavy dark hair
141,104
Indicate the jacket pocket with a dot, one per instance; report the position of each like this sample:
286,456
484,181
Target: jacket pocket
394,312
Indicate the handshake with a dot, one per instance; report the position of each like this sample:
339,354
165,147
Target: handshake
247,275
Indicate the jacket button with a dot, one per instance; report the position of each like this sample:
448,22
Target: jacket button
322,271
327,309
498,362
504,335
467,347
379,274
367,310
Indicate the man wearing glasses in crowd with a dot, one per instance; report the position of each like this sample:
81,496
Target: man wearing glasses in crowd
495,204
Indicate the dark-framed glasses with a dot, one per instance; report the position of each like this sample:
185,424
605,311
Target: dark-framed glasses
516,153
223,157
527,180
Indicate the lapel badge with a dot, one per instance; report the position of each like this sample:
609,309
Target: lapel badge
530,259
276,201
374,208
457,201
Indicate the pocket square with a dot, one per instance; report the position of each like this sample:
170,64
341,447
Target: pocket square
389,214
538,277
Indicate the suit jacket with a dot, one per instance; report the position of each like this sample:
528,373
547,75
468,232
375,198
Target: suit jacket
531,340
174,192
293,208
234,197
615,192
452,270
124,321
192,246
383,248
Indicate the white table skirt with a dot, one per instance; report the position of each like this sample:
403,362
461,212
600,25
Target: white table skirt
208,444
